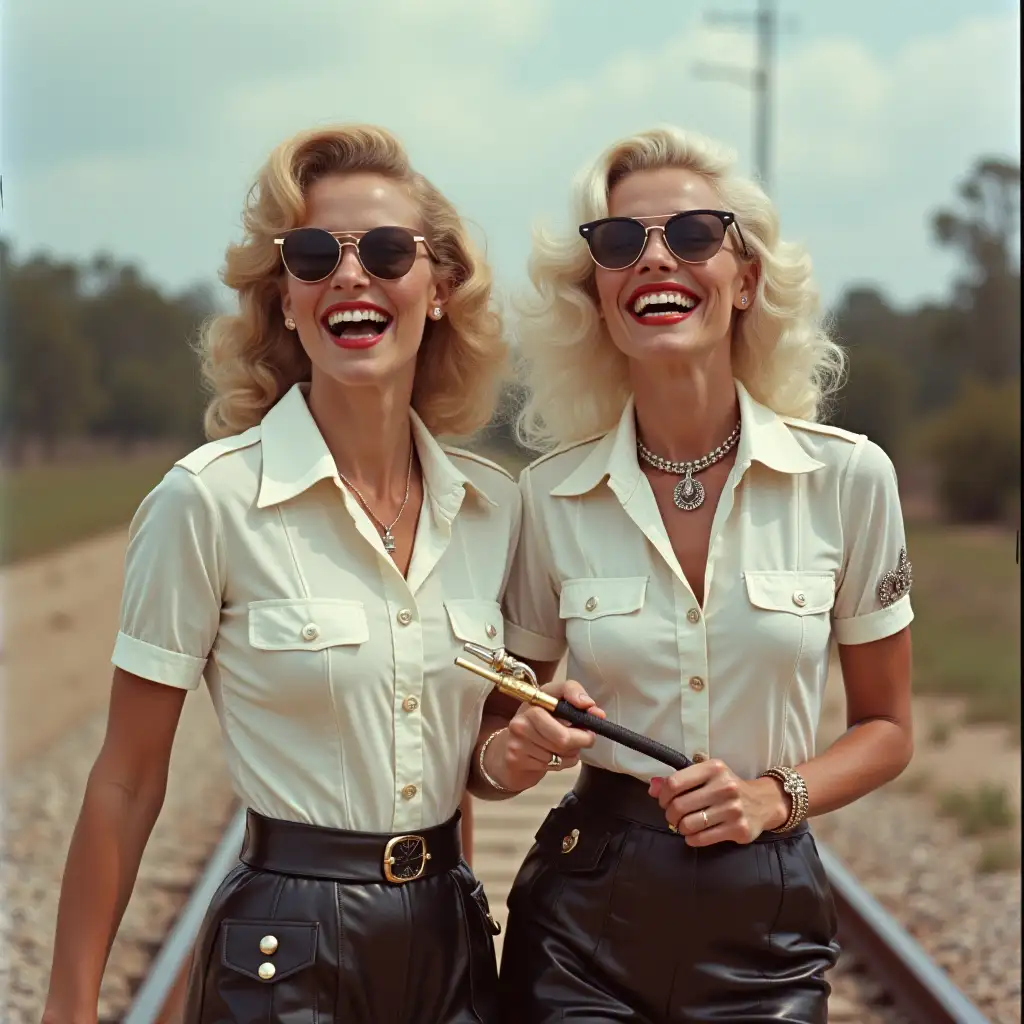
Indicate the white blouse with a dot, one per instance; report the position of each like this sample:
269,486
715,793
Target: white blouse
807,545
333,675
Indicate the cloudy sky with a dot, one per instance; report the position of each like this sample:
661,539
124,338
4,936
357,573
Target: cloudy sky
136,127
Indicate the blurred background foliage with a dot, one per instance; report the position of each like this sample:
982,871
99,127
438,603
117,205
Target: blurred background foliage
100,393
98,365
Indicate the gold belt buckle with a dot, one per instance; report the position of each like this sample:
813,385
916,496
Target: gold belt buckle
405,859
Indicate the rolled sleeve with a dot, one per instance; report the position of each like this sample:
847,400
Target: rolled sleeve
170,608
533,627
876,559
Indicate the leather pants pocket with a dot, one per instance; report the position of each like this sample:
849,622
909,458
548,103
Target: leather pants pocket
480,929
263,971
567,879
807,906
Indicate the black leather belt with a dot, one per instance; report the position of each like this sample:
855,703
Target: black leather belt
625,796
312,851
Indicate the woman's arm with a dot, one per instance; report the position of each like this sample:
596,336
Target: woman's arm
517,757
876,747
123,797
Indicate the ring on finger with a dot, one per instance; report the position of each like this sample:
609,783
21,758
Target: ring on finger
554,762
707,824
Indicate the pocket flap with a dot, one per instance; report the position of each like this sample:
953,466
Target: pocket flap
799,593
592,598
288,947
308,624
571,841
475,621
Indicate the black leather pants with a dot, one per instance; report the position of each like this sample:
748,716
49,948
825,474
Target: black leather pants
612,918
307,930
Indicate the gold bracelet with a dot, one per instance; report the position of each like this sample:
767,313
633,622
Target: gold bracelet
493,783
796,789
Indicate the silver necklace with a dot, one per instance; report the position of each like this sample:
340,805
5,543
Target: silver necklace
387,536
689,493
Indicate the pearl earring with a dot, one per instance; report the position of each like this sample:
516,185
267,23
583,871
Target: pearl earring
289,323
743,300
436,312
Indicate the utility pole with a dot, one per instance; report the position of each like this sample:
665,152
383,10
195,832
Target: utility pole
759,79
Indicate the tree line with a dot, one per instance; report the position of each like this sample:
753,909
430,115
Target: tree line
94,351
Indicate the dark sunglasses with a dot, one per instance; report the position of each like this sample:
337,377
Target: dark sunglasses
693,236
313,254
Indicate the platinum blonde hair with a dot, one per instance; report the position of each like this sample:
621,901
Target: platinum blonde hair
578,381
250,359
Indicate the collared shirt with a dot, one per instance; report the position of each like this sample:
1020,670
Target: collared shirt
332,674
807,527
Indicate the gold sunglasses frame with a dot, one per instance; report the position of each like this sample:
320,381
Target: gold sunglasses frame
346,238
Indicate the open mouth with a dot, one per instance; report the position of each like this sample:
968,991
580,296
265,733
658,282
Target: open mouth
356,324
660,305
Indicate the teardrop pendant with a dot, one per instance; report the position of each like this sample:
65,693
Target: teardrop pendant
688,494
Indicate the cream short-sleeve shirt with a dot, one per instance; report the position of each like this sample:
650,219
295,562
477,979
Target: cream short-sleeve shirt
807,545
333,675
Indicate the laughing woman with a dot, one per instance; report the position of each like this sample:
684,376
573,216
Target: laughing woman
320,562
697,542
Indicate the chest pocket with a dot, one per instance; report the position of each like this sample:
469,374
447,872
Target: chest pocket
307,624
798,593
475,621
590,599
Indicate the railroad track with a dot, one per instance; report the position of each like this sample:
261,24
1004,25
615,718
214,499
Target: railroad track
913,988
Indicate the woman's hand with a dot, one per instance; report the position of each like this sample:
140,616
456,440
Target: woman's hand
523,753
708,804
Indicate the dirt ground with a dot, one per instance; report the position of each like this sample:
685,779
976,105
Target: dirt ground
60,616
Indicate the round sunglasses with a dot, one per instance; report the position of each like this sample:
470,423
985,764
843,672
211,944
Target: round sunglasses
693,236
313,254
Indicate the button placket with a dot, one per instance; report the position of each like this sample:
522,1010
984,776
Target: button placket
691,641
407,634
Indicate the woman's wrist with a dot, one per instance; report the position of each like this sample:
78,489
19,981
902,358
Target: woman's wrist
485,769
776,802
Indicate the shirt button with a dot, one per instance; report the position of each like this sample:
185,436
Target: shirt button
405,617
696,683
799,599
693,615
591,604
266,971
310,631
268,945
699,756
408,792
410,704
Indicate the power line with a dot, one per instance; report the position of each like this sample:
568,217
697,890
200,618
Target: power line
759,79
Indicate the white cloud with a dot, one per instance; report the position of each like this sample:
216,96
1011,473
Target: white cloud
152,154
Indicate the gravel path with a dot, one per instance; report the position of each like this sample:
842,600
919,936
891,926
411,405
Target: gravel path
57,647
43,799
924,874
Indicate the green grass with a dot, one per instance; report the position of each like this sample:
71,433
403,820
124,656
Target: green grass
49,507
999,853
966,629
966,592
977,812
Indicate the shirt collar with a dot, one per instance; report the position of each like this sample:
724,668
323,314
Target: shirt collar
295,457
764,438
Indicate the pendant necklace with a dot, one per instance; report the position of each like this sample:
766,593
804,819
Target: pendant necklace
689,493
387,536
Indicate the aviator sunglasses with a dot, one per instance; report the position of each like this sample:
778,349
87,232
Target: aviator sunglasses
693,236
313,254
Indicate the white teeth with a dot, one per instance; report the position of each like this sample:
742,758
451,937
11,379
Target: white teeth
355,315
673,298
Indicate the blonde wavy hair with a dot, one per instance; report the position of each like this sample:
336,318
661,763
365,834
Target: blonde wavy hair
249,359
578,381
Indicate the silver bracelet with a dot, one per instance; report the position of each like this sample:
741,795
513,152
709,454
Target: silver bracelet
494,784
